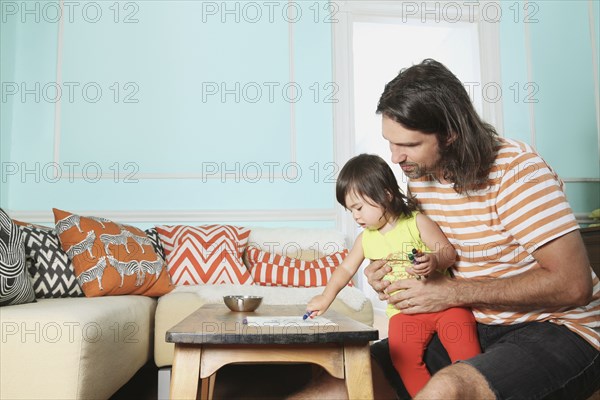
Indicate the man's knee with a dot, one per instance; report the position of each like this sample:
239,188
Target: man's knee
457,381
443,385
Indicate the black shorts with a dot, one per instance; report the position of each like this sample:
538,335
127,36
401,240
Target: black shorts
535,360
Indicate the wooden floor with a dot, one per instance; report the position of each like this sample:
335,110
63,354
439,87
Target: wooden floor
242,381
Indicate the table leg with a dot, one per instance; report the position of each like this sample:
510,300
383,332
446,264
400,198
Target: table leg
186,370
357,367
207,388
213,381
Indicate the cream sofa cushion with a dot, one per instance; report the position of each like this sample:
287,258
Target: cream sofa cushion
291,242
73,348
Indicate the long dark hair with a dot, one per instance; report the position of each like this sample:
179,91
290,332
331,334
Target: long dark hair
428,98
368,175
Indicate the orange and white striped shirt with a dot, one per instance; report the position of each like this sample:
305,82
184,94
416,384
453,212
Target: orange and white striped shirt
496,230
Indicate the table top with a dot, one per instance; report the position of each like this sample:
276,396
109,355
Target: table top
216,324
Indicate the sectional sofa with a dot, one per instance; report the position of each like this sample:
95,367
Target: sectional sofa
88,347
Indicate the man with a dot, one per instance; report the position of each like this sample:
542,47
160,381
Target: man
522,266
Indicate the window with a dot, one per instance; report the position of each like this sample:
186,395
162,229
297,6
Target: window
381,39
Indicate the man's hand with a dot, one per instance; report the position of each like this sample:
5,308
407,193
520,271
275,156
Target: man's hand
433,294
375,273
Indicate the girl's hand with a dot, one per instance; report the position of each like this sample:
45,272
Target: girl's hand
318,305
425,264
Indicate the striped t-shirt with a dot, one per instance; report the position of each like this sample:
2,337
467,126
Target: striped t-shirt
495,230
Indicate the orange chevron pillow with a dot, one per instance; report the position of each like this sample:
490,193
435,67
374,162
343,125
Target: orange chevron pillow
111,258
268,269
208,254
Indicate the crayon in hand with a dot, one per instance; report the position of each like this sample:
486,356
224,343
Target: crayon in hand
412,256
306,315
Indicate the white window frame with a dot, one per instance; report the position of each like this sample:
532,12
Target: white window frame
349,11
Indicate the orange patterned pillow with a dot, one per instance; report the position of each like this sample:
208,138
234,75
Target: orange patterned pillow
205,254
111,258
268,269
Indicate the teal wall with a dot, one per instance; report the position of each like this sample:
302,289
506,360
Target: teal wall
174,106
548,56
162,141
7,67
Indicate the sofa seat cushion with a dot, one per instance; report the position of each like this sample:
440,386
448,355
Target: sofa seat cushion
76,348
181,302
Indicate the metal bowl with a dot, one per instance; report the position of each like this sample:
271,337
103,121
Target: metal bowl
242,303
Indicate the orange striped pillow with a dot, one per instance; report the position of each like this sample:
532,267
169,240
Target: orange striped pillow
268,269
208,254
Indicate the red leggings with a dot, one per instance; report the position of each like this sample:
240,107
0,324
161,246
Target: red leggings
410,334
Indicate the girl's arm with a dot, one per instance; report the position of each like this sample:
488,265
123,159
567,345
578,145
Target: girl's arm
340,278
443,253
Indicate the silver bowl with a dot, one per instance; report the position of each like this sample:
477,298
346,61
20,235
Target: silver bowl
242,303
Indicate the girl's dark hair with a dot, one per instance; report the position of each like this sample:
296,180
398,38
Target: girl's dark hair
368,175
428,98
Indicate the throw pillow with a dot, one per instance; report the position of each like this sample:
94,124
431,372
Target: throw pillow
268,269
209,254
111,258
51,270
156,244
15,287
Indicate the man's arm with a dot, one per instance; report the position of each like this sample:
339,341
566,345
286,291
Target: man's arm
562,279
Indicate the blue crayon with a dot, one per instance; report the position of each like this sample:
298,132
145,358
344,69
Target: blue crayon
306,315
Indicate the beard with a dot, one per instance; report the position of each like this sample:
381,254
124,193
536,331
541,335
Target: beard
415,170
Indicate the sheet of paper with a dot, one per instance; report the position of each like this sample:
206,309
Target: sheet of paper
288,320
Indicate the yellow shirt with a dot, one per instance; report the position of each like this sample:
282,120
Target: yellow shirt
396,244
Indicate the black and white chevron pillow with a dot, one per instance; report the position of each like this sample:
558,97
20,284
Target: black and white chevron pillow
52,274
156,243
15,287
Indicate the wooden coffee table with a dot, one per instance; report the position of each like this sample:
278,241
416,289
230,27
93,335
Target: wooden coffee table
213,336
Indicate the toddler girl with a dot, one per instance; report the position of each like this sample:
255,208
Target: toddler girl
394,229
